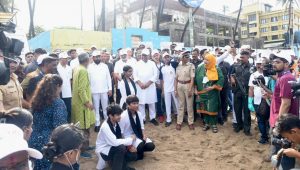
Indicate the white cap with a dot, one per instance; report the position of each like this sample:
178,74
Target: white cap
12,141
80,51
155,51
63,55
123,52
96,53
227,48
178,48
258,61
145,51
283,54
245,47
165,54
42,58
93,46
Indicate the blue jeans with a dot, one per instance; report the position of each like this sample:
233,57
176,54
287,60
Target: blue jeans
262,121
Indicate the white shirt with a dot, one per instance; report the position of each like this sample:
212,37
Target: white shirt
125,125
257,90
118,69
123,91
74,63
66,74
145,72
100,79
230,59
168,76
106,139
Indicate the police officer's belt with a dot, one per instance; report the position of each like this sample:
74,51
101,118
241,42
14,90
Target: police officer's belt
184,82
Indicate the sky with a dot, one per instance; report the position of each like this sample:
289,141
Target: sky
66,13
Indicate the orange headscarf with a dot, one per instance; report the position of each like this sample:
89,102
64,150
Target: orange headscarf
211,69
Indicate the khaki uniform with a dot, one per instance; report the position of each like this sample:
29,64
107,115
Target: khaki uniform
184,74
11,94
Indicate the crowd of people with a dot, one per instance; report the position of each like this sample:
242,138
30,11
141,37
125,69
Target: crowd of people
53,101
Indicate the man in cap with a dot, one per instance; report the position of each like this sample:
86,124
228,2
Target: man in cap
46,65
82,106
255,100
14,150
184,89
101,86
145,75
11,94
34,65
65,73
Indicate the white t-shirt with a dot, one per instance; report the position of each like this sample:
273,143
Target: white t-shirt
257,90
66,74
74,63
100,79
168,76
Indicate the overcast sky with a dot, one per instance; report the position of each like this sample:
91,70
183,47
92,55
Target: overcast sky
59,13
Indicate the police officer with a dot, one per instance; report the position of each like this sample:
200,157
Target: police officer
11,94
240,76
185,74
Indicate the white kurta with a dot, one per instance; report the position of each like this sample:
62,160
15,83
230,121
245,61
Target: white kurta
145,72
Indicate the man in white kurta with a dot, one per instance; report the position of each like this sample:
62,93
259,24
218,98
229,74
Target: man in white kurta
145,76
101,86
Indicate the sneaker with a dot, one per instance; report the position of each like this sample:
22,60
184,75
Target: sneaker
248,133
161,119
86,155
97,129
178,127
263,141
167,124
154,122
192,127
90,148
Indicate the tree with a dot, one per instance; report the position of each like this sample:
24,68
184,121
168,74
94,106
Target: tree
187,24
237,20
31,5
5,5
38,29
143,12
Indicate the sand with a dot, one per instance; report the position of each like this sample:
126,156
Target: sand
198,150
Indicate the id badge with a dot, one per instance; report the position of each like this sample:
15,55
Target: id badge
205,80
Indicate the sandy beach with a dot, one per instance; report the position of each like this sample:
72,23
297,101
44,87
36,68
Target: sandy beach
198,150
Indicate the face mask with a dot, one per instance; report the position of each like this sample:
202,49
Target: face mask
97,62
76,165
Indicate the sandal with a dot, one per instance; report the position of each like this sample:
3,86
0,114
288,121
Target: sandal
206,127
215,129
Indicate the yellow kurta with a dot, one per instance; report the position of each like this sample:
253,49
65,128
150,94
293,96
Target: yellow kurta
81,94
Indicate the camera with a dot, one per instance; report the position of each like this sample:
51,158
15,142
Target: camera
282,143
268,70
261,79
295,88
10,48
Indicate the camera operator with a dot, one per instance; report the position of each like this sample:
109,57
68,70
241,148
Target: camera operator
282,100
256,103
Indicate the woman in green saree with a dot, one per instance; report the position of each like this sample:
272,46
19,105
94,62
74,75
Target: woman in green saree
209,82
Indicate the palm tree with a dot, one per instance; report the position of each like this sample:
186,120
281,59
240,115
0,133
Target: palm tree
187,24
143,12
237,20
31,5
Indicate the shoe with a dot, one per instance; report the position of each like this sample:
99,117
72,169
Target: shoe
214,129
220,121
234,125
237,129
263,141
90,148
161,119
192,127
205,127
178,127
167,124
97,129
248,133
86,155
154,122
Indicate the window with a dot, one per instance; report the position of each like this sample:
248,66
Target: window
285,17
285,26
252,25
265,38
263,30
253,33
274,37
274,28
244,24
244,32
267,8
263,21
274,19
252,17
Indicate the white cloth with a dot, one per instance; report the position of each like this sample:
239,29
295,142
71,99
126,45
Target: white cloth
168,76
74,63
230,59
168,103
257,90
123,91
106,139
97,97
100,78
66,74
152,112
145,72
222,57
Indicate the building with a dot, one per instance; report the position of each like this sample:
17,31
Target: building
267,24
210,28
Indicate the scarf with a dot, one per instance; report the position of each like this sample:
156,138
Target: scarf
127,88
136,126
117,133
211,69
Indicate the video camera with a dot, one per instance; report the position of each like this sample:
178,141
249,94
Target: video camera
10,48
295,88
282,143
261,79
